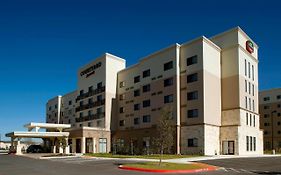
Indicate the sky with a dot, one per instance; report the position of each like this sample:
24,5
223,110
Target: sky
44,42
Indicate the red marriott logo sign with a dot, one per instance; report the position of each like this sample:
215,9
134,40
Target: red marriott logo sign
249,46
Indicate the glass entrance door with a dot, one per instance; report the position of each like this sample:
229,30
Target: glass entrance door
228,147
102,145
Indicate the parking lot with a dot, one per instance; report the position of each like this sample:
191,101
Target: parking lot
18,165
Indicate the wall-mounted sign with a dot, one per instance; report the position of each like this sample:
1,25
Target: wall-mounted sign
91,70
250,46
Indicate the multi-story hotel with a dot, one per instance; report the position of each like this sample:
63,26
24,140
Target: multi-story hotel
270,121
209,86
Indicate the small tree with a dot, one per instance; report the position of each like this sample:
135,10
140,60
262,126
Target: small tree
165,137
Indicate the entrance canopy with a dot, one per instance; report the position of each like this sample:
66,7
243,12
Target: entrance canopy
19,134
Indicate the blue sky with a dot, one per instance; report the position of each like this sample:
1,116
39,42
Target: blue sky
43,43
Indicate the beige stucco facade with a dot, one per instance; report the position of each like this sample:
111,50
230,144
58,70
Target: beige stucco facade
209,86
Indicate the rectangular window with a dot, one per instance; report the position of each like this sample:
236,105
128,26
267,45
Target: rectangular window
254,144
192,95
246,85
90,100
146,103
254,108
146,119
266,98
249,69
253,73
146,88
70,102
278,97
191,60
146,73
192,113
121,110
81,114
136,93
192,142
136,79
245,67
81,92
136,121
168,99
99,85
250,106
253,89
246,102
247,119
121,122
50,108
168,82
122,97
136,107
99,110
99,98
90,89
122,84
192,78
249,88
247,143
254,121
168,66
250,119
251,143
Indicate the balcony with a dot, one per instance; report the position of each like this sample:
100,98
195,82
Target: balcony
90,93
90,117
90,105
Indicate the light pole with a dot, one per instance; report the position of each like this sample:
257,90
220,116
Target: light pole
272,131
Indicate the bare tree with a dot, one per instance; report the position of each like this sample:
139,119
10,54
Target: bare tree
165,136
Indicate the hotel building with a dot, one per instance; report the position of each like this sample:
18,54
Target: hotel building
270,121
208,85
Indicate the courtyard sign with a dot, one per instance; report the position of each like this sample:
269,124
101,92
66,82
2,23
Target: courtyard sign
249,46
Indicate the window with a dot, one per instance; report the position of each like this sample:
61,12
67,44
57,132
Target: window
247,119
90,113
254,105
249,88
90,101
192,142
136,93
253,90
146,88
279,106
254,121
251,143
146,119
81,103
121,110
69,102
136,107
121,122
192,95
146,103
122,84
81,92
122,97
99,110
249,69
278,114
250,119
266,98
89,124
245,67
98,123
81,114
246,102
266,107
192,78
99,85
278,97
90,89
168,99
146,73
99,98
168,82
191,60
254,143
56,106
50,108
247,143
136,121
246,85
192,113
136,79
168,65
278,123
253,73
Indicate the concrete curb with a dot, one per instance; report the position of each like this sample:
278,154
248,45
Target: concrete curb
208,168
58,157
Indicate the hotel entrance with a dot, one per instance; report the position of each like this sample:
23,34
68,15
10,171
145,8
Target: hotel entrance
228,147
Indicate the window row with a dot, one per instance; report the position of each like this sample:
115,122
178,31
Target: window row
268,107
278,97
250,143
145,119
250,120
250,104
249,88
249,70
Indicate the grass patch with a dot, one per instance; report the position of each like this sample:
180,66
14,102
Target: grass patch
153,156
166,166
